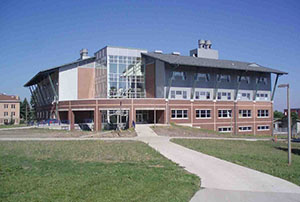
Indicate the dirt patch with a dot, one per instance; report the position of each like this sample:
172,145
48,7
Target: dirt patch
186,131
48,133
182,131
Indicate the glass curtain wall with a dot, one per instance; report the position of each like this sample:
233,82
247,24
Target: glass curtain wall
101,78
125,77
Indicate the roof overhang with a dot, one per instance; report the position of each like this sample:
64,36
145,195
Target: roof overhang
42,74
211,63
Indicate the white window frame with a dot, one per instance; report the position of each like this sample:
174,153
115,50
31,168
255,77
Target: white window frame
243,110
202,97
247,130
222,127
224,97
176,110
227,117
179,94
259,115
265,129
206,110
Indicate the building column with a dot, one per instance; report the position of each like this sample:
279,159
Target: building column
97,119
71,118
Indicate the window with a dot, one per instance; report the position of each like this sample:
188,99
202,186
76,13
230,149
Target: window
225,113
179,94
263,128
202,95
5,106
202,77
223,77
184,94
244,78
13,106
179,76
5,113
245,128
203,113
244,113
224,129
262,113
173,94
262,96
179,114
224,96
13,113
244,96
262,80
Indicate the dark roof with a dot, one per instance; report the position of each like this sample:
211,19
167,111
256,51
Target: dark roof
40,75
212,63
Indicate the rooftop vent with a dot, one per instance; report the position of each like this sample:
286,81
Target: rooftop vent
208,44
204,50
175,53
84,54
158,51
201,43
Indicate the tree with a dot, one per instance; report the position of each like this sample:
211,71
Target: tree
25,110
278,115
33,109
294,118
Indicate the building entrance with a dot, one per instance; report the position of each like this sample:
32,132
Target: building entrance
148,116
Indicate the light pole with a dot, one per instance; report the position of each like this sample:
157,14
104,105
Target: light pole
287,86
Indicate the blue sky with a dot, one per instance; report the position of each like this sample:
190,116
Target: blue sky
37,35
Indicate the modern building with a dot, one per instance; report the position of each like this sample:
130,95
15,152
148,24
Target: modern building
120,85
9,109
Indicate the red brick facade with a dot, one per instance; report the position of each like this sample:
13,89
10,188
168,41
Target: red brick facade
164,108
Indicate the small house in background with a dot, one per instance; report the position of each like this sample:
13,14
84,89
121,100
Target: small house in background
296,110
9,109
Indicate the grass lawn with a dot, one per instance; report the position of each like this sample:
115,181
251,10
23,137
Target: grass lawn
265,156
13,126
90,171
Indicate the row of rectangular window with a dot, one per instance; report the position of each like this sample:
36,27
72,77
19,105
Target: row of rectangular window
225,113
205,95
244,128
124,59
13,106
12,113
179,114
178,75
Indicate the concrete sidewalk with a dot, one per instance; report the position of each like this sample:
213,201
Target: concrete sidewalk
221,180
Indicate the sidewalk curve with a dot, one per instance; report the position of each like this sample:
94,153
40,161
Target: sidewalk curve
219,177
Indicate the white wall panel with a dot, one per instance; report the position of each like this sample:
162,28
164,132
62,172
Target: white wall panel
68,83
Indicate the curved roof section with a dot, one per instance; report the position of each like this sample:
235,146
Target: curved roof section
212,63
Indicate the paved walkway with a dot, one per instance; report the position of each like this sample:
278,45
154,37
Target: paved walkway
222,180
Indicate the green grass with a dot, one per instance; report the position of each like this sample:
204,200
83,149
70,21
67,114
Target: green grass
13,126
90,171
266,156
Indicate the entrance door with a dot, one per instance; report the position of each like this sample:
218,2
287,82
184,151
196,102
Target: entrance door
139,118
